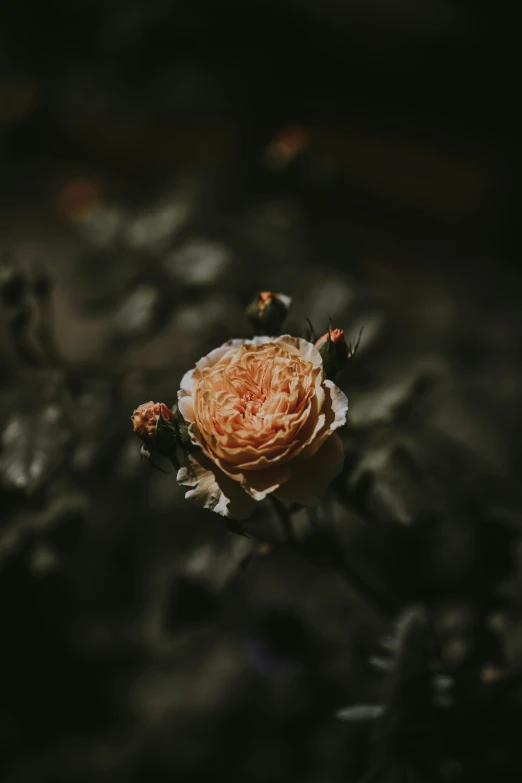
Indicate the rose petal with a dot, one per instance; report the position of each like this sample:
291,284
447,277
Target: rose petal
335,410
310,478
188,383
215,356
302,348
339,405
260,483
186,395
186,408
212,489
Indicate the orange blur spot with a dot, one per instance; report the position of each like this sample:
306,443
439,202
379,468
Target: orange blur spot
78,198
285,146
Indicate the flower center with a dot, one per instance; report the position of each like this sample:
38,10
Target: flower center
250,402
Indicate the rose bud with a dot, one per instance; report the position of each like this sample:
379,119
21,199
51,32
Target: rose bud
334,351
146,418
267,313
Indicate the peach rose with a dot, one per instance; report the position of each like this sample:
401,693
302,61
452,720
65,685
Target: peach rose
264,415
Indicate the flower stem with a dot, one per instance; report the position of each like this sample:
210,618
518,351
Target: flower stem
285,519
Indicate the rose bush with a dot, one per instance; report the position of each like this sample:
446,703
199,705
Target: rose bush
263,414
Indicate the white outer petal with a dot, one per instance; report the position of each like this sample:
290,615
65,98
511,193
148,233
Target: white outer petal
286,300
215,356
211,488
301,347
339,402
186,395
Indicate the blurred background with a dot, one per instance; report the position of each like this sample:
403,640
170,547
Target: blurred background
161,162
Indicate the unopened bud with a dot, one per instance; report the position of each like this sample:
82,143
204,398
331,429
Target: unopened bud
334,351
267,313
146,419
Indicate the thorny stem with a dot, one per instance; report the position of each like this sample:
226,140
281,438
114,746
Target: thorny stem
340,563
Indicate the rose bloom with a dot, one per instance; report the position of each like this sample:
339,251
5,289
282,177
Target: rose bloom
264,415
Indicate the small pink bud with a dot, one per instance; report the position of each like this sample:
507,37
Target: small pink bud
334,351
335,335
145,420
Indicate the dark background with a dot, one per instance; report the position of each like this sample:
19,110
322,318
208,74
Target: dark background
160,163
